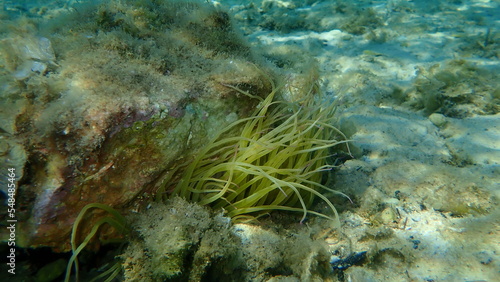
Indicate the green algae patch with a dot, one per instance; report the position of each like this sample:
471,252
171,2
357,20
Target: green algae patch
189,242
456,88
184,233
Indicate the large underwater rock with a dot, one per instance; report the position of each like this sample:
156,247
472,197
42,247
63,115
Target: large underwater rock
99,102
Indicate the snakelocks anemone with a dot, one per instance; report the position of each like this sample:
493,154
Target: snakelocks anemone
275,163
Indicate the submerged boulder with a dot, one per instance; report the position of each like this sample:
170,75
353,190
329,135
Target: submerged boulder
107,97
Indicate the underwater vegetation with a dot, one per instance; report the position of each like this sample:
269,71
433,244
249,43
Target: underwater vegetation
189,242
274,163
113,102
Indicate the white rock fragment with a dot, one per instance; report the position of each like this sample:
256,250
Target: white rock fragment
32,54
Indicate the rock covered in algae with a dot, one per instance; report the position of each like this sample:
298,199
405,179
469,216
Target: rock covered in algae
104,98
189,242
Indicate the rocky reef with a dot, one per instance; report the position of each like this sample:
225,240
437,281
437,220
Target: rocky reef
191,243
98,100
